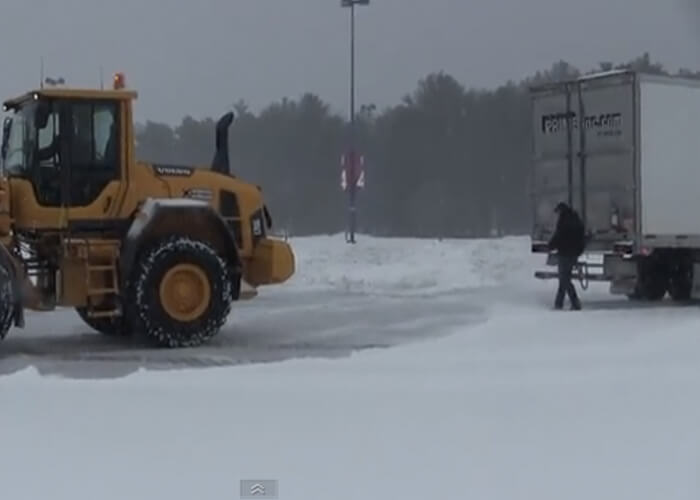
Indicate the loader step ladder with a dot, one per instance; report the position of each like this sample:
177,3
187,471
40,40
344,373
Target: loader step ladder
107,290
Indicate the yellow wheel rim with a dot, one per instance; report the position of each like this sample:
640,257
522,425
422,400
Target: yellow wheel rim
185,292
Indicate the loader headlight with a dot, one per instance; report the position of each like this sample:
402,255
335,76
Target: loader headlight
257,225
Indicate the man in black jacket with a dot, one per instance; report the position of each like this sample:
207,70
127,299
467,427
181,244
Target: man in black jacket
569,241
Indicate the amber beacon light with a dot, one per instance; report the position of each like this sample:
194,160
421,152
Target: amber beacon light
119,81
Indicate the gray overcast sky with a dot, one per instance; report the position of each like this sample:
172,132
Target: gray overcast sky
197,57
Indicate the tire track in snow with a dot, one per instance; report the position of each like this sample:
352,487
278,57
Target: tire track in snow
328,325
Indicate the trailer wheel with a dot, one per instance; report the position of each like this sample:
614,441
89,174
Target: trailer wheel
680,289
180,293
655,290
652,282
680,283
652,291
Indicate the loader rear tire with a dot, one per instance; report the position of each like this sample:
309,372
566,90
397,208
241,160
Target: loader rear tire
180,293
112,327
7,302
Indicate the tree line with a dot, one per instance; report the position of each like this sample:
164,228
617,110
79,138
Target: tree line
448,161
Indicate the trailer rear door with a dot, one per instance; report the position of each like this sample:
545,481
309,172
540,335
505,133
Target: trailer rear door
584,154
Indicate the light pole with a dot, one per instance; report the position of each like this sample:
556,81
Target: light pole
352,156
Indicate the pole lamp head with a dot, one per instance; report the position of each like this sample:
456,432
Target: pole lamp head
351,3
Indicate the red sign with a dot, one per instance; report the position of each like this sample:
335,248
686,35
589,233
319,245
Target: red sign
353,170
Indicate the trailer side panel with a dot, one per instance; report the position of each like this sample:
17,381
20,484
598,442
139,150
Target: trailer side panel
670,163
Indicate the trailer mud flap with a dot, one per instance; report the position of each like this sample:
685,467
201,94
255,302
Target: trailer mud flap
622,274
623,286
616,267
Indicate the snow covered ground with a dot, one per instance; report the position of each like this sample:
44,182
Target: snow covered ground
393,369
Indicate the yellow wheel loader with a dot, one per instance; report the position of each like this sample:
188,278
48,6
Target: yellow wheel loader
160,251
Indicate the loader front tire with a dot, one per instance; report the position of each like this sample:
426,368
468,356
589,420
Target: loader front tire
180,293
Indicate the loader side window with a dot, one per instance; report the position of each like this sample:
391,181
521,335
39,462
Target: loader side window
20,142
16,154
104,123
94,149
47,173
47,137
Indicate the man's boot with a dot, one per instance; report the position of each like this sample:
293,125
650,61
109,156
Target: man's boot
559,301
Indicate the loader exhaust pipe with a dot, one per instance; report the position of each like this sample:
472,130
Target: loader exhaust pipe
221,163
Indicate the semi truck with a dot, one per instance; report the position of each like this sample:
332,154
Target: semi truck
623,149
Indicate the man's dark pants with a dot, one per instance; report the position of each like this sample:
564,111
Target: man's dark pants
566,287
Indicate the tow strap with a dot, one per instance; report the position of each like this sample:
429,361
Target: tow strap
582,270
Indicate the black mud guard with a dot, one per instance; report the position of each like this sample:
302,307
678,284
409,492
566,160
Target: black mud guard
162,217
15,275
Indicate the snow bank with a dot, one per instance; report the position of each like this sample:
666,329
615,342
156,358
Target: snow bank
404,266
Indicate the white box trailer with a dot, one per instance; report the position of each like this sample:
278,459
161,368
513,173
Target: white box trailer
623,148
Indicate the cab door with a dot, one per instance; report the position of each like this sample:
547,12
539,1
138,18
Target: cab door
92,180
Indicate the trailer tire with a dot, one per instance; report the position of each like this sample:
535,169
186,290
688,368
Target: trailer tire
680,282
655,291
651,291
653,280
680,289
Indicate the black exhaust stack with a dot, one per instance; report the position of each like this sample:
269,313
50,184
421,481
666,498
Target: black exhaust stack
220,163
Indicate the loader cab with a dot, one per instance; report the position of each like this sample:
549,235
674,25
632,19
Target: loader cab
66,149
